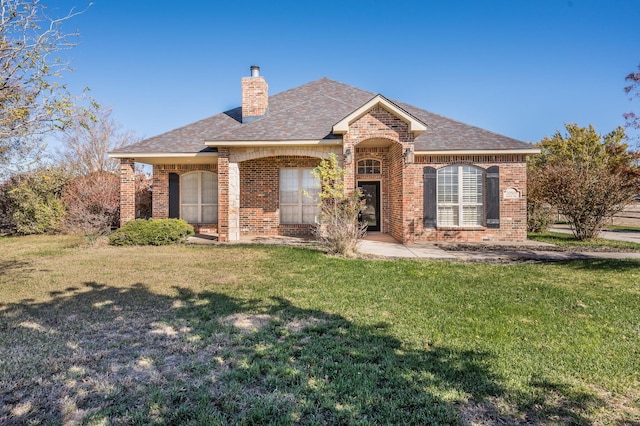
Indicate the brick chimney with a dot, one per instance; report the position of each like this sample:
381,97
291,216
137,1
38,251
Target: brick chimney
255,96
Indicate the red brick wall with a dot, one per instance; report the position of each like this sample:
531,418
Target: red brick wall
255,96
127,190
260,194
160,195
513,212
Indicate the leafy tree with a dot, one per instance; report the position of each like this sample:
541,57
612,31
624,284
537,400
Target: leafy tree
89,136
339,228
33,102
585,176
32,201
633,90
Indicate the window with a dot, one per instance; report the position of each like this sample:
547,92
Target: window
199,197
460,196
368,167
299,196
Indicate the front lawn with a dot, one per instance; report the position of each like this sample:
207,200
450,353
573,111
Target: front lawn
247,334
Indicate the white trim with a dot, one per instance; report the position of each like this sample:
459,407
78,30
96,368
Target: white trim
337,141
481,151
415,126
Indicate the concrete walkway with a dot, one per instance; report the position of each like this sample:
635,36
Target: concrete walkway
385,246
630,236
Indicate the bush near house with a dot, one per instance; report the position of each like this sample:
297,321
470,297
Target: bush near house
154,232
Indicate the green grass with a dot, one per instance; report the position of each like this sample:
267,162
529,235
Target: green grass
568,240
278,335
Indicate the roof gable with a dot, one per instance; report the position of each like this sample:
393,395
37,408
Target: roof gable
416,126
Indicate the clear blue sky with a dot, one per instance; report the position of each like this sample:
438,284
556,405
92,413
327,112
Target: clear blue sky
521,68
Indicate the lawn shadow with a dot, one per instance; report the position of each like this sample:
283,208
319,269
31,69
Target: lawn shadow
621,265
127,355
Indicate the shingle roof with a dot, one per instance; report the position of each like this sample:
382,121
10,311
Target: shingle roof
308,112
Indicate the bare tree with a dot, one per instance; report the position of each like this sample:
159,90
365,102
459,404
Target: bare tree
33,101
633,90
87,139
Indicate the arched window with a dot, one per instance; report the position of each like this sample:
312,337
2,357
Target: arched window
460,196
199,197
369,167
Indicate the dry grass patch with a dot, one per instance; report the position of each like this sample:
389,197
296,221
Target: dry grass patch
254,334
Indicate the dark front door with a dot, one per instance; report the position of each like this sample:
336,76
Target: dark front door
371,204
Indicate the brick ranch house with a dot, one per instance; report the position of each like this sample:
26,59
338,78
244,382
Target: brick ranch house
247,171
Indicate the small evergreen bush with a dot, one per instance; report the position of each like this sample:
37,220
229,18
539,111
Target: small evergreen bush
155,232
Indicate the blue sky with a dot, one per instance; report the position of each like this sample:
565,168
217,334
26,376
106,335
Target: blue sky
521,68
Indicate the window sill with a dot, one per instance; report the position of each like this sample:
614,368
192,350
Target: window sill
461,228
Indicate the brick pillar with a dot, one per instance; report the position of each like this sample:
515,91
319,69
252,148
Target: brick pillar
223,194
349,168
234,202
127,190
160,199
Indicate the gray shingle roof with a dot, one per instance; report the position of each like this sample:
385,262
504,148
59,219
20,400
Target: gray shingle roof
308,112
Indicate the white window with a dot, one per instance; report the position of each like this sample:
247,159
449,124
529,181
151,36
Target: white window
199,197
460,196
299,196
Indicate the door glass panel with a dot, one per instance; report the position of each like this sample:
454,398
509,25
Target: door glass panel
370,205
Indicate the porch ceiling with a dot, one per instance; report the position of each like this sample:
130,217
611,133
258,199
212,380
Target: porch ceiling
170,158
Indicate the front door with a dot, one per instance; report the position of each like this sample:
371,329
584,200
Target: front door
371,204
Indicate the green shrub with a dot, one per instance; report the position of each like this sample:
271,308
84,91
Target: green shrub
31,202
155,232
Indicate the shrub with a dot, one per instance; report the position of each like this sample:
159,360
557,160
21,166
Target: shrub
31,202
155,232
587,177
540,216
339,227
92,203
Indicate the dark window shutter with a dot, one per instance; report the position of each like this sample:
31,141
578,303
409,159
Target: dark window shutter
493,197
174,195
430,207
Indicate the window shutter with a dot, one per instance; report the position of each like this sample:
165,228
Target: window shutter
174,195
493,197
430,207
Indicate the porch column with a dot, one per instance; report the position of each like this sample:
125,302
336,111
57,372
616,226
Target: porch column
228,197
234,202
348,154
127,190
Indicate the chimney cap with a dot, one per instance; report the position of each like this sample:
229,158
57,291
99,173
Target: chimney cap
255,71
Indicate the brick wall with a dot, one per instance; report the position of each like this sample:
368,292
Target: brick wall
513,211
255,97
160,195
260,193
127,191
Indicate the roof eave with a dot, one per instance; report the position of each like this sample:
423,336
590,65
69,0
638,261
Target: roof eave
298,142
166,157
521,151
